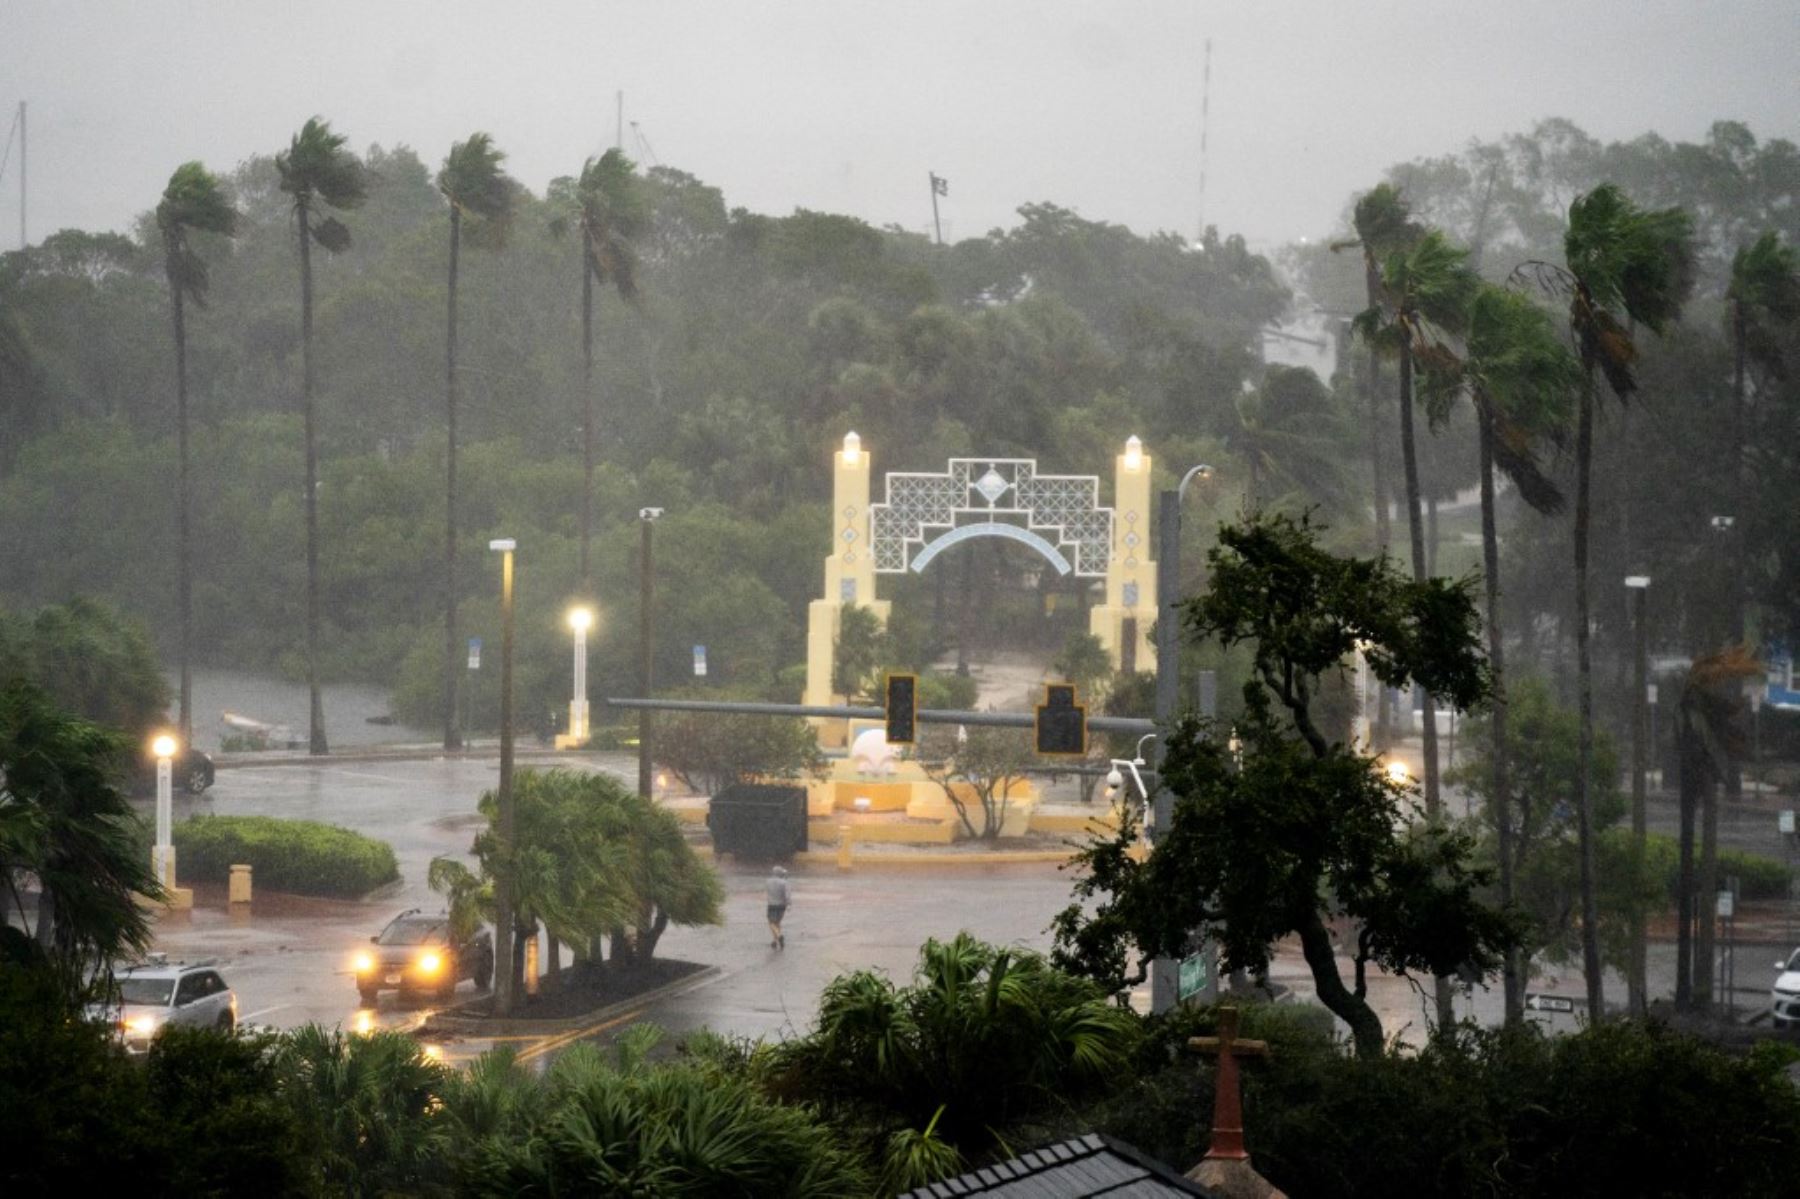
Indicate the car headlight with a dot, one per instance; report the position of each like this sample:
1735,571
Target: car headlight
362,963
429,963
141,1026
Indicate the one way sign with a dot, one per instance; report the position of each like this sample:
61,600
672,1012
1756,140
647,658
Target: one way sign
1549,1003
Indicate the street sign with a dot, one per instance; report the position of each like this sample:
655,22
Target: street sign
1192,978
902,696
699,661
1061,722
1549,1003
1785,821
1727,904
474,653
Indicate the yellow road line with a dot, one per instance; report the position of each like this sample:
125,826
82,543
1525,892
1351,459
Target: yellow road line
561,1039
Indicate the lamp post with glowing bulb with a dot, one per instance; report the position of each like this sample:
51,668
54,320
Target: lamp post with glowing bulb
162,855
1637,977
503,892
581,619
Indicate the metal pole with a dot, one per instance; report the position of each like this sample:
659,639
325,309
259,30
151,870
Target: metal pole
22,241
1637,985
646,628
1168,654
503,891
1136,726
936,226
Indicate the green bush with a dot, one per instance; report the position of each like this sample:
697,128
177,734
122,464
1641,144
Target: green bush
302,857
1758,877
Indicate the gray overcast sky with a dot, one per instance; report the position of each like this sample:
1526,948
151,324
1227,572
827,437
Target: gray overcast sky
844,105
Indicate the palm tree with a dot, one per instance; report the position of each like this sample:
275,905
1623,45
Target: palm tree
194,201
1765,303
611,215
64,821
1519,376
476,187
1289,435
1626,266
1425,293
316,170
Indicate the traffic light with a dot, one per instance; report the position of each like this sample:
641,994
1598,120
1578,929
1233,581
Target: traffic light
1061,722
902,709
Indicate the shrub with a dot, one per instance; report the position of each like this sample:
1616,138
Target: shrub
298,856
1758,877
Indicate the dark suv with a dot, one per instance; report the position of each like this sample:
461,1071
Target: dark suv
417,955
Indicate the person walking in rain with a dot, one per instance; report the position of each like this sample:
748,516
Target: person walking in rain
777,889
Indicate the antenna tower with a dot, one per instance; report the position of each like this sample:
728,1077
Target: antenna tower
1205,122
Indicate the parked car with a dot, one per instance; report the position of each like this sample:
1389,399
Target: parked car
146,998
192,771
1784,999
417,954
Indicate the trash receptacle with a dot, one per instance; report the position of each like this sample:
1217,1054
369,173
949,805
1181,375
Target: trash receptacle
758,820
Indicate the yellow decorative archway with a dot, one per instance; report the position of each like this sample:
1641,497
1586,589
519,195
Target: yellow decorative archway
1059,516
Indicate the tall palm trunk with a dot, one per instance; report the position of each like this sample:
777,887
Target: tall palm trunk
1691,780
1512,970
1584,675
1706,893
1446,1012
184,567
587,420
316,740
1378,472
452,672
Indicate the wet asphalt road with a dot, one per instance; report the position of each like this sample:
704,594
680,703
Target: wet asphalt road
289,959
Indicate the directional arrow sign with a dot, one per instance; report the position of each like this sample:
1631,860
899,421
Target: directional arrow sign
1549,1003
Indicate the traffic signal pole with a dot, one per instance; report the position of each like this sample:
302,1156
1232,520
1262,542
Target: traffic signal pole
1168,683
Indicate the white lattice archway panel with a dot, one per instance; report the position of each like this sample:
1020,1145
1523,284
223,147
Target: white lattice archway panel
1058,515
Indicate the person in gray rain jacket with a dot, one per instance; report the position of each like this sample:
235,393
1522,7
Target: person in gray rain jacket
777,888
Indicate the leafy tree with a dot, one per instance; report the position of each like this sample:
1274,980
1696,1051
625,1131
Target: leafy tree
1520,377
316,170
1764,296
194,202
856,653
91,661
709,751
1287,432
475,187
1289,830
977,768
1626,266
64,822
367,1108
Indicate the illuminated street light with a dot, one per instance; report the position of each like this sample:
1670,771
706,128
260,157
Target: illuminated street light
581,619
1398,774
503,891
162,855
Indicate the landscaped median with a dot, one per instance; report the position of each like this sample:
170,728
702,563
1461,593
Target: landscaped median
300,857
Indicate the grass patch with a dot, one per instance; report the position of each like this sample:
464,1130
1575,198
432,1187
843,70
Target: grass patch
301,857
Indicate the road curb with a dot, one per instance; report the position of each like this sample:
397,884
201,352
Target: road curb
475,1026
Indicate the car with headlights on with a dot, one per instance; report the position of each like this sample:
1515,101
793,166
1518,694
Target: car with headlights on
147,998
418,954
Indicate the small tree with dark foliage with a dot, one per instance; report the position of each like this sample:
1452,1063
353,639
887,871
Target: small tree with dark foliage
1287,831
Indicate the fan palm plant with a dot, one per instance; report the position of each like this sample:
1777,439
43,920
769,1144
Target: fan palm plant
609,212
1520,378
317,171
194,202
1626,266
368,1105
477,190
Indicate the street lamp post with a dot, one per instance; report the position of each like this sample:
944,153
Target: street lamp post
503,891
580,620
646,634
1163,976
162,855
1636,982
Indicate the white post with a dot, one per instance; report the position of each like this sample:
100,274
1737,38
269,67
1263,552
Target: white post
579,620
162,857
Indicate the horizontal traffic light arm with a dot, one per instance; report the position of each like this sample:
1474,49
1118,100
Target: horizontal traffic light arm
1001,720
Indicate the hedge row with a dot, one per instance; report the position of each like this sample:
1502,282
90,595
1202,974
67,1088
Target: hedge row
302,857
1758,877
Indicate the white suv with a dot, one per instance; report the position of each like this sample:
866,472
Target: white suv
160,992
1784,1000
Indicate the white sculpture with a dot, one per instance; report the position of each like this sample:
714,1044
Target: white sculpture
871,753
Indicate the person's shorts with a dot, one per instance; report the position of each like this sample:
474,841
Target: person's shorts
776,911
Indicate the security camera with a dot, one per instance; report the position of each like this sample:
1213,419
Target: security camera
1114,780
649,513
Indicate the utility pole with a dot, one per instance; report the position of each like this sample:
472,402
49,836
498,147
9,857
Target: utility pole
939,187
1168,672
1636,983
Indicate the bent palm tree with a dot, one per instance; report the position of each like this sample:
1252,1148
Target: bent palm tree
1625,266
610,214
476,187
1519,376
316,170
194,202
